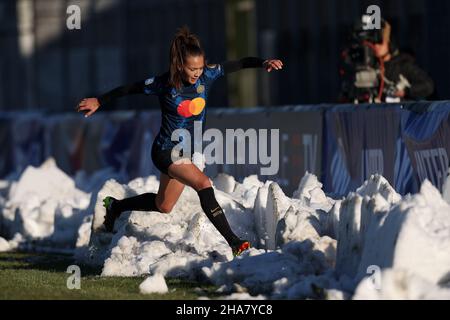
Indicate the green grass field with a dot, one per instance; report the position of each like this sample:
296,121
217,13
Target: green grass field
44,277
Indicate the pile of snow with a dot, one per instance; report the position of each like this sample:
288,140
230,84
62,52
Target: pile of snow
295,259
44,205
304,246
289,246
154,284
12,244
379,229
167,243
84,232
307,246
245,192
311,193
397,284
4,245
446,188
413,236
370,202
296,271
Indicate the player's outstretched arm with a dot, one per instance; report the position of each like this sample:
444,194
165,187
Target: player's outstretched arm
91,105
252,62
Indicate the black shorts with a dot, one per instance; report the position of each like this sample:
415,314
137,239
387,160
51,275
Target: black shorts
162,159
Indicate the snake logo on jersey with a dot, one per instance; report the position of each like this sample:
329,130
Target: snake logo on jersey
189,108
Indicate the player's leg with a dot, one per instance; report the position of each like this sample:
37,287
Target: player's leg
188,174
168,194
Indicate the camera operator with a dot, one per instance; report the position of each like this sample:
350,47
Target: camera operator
376,71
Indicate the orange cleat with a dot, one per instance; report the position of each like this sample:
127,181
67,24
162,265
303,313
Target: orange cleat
240,247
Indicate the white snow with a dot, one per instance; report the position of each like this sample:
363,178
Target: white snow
4,245
242,296
311,193
224,182
45,205
84,232
414,236
154,284
398,284
369,203
172,243
12,244
185,244
304,246
446,188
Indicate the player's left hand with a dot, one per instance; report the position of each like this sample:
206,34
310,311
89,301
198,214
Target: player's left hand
273,64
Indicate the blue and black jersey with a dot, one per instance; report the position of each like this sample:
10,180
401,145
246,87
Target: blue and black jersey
180,108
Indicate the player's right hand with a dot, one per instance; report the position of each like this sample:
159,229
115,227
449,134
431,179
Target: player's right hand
88,105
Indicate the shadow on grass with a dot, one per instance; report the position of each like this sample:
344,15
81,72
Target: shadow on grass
44,262
95,287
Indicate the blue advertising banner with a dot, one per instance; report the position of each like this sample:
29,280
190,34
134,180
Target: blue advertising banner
27,139
361,140
342,144
64,141
426,133
298,138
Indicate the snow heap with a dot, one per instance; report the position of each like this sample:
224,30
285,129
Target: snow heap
294,259
373,244
370,202
12,244
305,246
4,245
43,205
172,244
380,231
154,284
446,188
289,246
397,284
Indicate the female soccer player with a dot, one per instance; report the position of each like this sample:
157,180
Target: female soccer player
182,94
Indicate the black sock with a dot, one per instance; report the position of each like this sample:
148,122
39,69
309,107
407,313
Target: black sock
215,214
142,202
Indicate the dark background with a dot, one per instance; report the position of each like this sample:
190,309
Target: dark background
45,66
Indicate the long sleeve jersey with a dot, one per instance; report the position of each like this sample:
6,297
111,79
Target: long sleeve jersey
180,108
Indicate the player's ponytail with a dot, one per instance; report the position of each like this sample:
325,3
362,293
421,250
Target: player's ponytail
184,44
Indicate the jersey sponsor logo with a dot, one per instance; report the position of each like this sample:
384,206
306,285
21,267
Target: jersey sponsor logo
189,108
